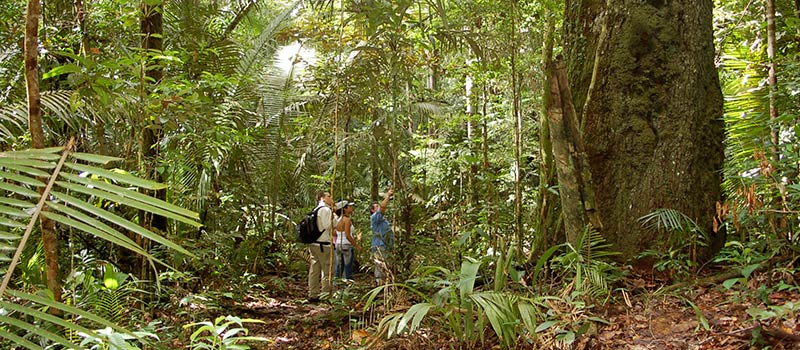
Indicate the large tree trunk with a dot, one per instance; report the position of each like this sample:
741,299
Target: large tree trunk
36,128
652,126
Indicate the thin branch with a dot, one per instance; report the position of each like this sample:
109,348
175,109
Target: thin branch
239,16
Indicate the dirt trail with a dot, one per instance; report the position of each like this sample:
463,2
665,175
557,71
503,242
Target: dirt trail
643,322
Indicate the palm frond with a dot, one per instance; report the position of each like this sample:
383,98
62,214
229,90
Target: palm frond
14,117
73,197
501,310
264,45
667,220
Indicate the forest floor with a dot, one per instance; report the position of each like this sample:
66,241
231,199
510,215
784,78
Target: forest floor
646,316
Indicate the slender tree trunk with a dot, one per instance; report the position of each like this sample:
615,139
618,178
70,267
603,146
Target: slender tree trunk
797,12
471,100
80,20
36,128
517,115
653,128
152,31
772,78
547,202
491,212
575,181
347,189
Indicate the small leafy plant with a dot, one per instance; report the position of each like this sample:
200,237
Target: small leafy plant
678,255
226,333
464,311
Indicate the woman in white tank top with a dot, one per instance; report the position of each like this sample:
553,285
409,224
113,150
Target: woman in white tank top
344,244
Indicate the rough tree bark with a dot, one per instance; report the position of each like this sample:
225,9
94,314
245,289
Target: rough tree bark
549,220
36,128
653,127
574,176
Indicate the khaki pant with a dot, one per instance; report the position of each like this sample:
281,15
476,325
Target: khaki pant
319,270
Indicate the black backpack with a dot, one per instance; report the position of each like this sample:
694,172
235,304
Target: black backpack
307,230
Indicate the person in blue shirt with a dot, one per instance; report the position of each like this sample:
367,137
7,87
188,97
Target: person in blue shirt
382,238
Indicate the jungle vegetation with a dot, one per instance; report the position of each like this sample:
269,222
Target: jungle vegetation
156,154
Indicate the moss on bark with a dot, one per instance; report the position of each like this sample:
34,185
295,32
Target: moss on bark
653,127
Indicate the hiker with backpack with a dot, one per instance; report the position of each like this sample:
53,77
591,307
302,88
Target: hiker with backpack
382,237
344,243
321,249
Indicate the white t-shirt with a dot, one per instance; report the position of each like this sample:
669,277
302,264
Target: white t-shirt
324,222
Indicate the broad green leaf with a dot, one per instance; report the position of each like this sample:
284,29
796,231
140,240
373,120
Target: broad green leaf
544,326
19,340
128,202
124,192
760,314
544,258
45,316
16,202
415,314
27,170
69,309
233,332
95,158
492,312
10,162
250,338
38,331
110,277
8,236
730,282
747,270
21,178
117,220
567,337
11,223
63,69
499,273
49,153
123,177
18,190
528,316
125,243
13,211
469,272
